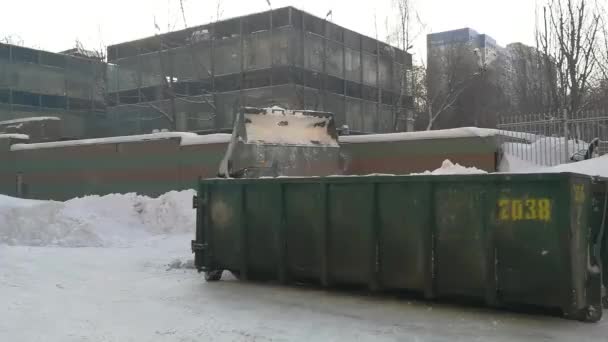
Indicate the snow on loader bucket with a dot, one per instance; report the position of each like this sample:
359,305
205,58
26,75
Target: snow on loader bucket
272,142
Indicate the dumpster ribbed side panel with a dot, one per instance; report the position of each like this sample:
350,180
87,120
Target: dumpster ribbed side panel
226,220
263,217
532,257
460,239
304,227
405,235
350,246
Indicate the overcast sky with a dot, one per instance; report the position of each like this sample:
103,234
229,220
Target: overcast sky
56,25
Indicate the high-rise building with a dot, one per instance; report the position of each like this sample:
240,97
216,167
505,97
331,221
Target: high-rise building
490,80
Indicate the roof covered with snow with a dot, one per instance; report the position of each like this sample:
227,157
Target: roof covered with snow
463,132
35,118
185,140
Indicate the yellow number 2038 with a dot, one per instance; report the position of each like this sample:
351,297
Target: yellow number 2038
531,209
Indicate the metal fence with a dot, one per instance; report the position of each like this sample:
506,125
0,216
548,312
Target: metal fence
538,139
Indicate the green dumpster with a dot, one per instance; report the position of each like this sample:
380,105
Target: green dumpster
527,239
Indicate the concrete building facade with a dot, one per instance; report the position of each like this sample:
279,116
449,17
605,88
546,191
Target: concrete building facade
285,57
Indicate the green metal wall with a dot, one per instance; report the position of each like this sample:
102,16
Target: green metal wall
498,239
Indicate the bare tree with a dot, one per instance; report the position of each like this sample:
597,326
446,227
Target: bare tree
569,38
451,70
407,29
12,39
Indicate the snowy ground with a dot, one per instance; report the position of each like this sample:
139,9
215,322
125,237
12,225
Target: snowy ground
130,294
109,269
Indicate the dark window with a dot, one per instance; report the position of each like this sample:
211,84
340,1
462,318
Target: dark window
370,93
149,94
335,32
125,97
52,59
227,29
181,89
296,18
227,83
5,51
280,17
256,79
79,104
26,98
312,79
353,89
200,87
334,84
387,50
99,105
24,55
387,97
5,96
313,24
126,50
80,65
256,22
281,75
297,75
52,101
368,44
112,99
112,53
352,39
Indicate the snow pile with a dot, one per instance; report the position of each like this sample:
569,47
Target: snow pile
546,151
94,221
449,168
592,167
513,164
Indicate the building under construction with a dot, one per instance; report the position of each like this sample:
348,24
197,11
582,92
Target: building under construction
196,79
35,83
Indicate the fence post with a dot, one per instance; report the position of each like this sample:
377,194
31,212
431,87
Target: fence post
565,121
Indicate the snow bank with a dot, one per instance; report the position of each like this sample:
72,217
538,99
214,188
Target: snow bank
592,167
94,221
514,164
463,132
449,168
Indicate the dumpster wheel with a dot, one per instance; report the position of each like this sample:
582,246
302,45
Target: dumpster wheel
590,314
213,275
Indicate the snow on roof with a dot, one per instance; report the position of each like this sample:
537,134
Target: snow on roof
463,132
218,138
14,136
185,140
36,118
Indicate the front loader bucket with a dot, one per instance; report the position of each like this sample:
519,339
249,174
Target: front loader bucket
278,142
